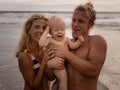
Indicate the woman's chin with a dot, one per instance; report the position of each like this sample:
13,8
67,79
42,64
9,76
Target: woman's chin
37,39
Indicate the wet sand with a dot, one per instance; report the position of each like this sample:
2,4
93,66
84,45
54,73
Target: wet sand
10,76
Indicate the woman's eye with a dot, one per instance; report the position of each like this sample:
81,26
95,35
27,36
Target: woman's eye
44,27
36,27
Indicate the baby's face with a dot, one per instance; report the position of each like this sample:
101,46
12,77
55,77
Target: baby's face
58,30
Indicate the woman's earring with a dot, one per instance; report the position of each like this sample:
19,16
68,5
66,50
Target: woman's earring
29,32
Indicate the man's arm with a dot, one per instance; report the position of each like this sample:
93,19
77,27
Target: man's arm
96,57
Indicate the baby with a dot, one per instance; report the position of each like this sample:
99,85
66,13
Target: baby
57,30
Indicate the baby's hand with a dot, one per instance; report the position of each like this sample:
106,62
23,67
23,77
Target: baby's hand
47,29
81,38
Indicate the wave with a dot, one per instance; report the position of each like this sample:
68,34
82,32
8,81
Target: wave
19,17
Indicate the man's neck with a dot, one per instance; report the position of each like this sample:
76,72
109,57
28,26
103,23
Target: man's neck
86,38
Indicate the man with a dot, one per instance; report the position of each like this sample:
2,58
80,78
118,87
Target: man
85,63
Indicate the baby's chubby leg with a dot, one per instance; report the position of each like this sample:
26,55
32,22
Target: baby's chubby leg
61,74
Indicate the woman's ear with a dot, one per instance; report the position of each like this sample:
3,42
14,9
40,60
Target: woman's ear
91,24
29,32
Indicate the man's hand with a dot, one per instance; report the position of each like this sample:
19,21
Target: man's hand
55,63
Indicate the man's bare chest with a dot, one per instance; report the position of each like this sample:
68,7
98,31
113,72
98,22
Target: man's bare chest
82,52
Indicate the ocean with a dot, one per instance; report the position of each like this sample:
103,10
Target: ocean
19,17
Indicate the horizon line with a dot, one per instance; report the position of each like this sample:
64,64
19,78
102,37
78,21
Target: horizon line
15,11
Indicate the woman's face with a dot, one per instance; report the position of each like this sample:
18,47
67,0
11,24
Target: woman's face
37,29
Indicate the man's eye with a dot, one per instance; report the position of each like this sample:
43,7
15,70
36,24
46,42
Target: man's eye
81,21
73,20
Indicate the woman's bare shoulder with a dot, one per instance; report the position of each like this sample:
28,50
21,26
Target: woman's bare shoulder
24,57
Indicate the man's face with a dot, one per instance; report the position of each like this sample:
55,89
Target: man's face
80,24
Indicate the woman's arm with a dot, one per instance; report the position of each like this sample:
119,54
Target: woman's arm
27,70
50,74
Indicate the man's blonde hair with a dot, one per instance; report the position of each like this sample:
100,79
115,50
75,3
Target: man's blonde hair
89,11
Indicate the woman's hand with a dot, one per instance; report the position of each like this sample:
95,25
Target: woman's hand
61,51
50,51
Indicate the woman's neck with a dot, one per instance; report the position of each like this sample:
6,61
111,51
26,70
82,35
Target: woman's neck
33,47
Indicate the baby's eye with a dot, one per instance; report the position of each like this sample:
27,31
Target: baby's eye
55,30
62,29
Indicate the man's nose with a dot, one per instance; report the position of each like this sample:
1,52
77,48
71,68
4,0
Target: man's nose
75,23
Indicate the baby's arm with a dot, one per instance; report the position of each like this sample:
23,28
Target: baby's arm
76,44
44,39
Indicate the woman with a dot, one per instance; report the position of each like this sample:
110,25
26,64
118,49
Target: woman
30,55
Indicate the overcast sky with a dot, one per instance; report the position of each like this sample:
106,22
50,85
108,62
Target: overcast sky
113,2
44,2
110,5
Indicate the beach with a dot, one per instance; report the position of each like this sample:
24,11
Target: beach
10,30
11,79
110,74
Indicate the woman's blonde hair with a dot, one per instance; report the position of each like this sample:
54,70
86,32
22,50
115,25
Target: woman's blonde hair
89,11
25,39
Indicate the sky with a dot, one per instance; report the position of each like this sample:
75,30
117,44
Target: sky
100,5
42,2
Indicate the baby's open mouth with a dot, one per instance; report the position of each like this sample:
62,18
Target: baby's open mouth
59,36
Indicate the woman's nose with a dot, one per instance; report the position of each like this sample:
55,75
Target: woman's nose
40,30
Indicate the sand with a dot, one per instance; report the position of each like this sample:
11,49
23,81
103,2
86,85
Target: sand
11,78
